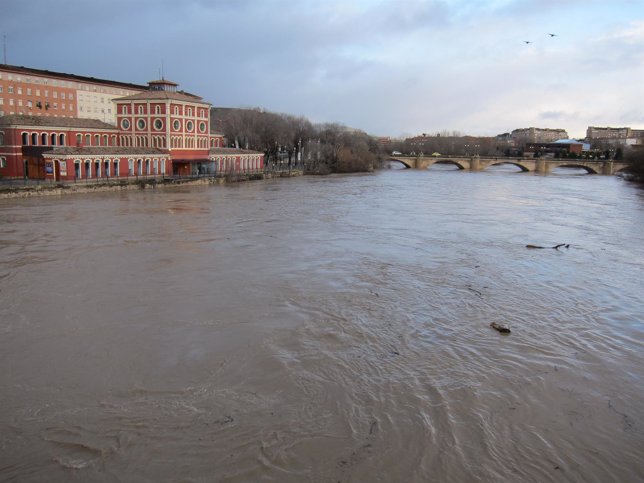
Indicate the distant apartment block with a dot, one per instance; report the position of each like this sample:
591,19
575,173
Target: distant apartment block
36,92
537,135
615,136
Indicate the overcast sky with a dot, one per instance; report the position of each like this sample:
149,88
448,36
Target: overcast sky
389,67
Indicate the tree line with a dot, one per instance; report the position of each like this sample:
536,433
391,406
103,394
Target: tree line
294,141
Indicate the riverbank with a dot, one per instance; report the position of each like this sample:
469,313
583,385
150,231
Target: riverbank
59,189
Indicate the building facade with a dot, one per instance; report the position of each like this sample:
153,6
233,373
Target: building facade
36,92
537,135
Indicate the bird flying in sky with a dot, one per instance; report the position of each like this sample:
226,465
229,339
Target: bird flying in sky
527,42
552,35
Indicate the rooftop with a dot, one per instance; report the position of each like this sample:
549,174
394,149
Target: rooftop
74,77
51,121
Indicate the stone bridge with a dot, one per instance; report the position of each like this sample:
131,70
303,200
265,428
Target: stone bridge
537,165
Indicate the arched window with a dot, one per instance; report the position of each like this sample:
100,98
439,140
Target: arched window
113,139
53,140
130,166
140,109
25,138
157,109
116,168
105,140
1,138
190,111
34,139
97,140
79,139
124,110
43,139
61,139
176,110
88,139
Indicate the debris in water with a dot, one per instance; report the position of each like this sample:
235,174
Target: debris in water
556,247
501,328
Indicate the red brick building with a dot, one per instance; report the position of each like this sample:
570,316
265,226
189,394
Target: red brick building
158,132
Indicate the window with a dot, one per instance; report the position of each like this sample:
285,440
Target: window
10,89
140,109
20,90
156,166
3,163
158,124
97,140
157,109
1,139
125,124
140,124
176,110
25,139
116,168
61,139
88,139
176,124
34,139
28,91
30,104
130,167
79,139
53,140
189,126
62,95
124,110
43,139
55,94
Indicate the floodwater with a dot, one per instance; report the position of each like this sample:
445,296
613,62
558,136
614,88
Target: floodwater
326,329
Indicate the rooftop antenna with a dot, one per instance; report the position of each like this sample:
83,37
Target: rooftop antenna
162,78
4,47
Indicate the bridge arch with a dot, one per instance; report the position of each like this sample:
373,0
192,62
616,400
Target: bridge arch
501,162
403,161
588,169
454,162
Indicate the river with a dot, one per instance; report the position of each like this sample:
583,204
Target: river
326,329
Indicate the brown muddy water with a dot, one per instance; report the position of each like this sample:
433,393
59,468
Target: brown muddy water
331,329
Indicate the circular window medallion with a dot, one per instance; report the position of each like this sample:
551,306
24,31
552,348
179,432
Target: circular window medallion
125,124
158,124
202,127
140,123
176,124
190,126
